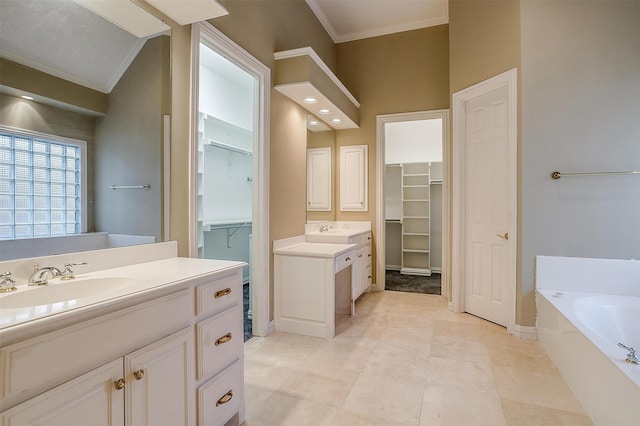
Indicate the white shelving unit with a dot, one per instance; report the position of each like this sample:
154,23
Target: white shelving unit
415,219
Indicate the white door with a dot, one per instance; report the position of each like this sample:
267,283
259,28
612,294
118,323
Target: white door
159,379
487,218
91,399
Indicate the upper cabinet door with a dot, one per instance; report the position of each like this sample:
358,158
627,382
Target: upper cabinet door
353,178
319,179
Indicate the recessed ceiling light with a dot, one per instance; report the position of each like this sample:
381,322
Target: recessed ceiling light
29,98
324,111
313,123
309,100
336,120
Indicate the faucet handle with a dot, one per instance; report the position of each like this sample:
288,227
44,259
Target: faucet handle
7,284
632,358
67,274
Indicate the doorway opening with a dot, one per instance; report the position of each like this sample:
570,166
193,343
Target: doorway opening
411,202
229,158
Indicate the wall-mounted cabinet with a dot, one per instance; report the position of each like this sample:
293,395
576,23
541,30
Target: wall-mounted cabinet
354,178
319,179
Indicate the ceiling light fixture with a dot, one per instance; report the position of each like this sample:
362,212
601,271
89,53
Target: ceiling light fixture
29,98
313,123
336,120
309,100
324,111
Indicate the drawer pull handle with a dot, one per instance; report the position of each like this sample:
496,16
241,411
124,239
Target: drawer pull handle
138,374
225,398
119,384
221,293
359,255
369,277
368,238
347,259
224,339
369,255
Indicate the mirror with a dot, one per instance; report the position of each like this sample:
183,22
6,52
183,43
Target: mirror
124,142
321,139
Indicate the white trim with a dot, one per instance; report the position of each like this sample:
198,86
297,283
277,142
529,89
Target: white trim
507,79
294,53
260,250
525,332
166,177
381,120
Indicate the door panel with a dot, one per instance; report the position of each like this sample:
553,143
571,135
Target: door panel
486,287
89,399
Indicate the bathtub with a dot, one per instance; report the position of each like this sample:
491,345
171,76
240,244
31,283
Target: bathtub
580,330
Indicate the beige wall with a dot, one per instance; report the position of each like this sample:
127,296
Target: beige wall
581,99
401,72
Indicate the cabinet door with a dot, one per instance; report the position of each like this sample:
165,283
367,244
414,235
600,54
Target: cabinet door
160,383
91,399
354,178
319,179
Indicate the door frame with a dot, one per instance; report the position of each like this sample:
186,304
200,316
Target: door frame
380,240
260,249
508,79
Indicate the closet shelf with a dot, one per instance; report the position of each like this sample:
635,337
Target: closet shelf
418,234
416,199
414,251
416,217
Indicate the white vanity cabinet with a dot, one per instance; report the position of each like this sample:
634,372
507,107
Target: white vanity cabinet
156,360
354,178
319,179
312,283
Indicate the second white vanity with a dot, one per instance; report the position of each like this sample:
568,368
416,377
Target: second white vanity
320,274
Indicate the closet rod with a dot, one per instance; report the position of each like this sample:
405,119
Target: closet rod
558,175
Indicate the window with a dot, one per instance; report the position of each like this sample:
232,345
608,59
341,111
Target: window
41,185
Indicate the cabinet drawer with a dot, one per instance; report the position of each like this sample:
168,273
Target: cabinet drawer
220,398
219,341
219,295
345,259
367,278
360,240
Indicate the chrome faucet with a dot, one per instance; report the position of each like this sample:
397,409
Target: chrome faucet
39,276
324,228
632,357
6,283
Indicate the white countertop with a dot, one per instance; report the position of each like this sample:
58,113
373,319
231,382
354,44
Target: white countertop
314,249
148,280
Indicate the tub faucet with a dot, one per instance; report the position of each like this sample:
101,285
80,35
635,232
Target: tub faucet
324,228
632,357
39,276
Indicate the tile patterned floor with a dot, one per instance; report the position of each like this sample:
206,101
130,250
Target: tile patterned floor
404,359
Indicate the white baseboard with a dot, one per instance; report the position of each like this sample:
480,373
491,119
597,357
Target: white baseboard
436,269
526,332
271,327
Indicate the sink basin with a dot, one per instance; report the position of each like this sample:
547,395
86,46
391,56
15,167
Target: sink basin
62,291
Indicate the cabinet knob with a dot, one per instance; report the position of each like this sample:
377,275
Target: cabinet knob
225,398
224,339
119,384
359,255
138,374
347,259
221,293
369,255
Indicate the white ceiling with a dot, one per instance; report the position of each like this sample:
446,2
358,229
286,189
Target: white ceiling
347,20
64,39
